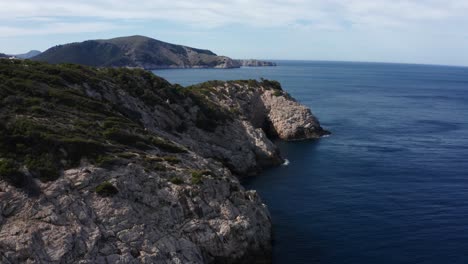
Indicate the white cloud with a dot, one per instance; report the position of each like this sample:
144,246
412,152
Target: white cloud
55,28
322,14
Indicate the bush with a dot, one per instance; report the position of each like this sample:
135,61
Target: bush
106,189
126,138
271,84
176,180
171,159
127,155
9,171
167,146
43,167
197,175
106,161
159,167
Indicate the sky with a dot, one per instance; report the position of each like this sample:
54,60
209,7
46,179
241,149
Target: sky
413,31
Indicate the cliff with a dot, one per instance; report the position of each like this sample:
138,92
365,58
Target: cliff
135,51
119,166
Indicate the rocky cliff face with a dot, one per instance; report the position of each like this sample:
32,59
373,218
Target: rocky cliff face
119,166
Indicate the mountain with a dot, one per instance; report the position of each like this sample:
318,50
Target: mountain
135,51
28,55
117,165
2,55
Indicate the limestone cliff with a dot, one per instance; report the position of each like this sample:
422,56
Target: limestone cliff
119,166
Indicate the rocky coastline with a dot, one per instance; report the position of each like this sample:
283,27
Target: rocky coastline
165,187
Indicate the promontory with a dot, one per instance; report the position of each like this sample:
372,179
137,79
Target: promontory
139,52
117,165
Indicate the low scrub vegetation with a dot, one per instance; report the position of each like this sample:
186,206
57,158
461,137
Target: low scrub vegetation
48,123
106,189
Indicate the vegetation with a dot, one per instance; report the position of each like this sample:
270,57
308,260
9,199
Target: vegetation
9,171
167,146
48,122
176,180
197,176
210,114
277,93
106,189
171,159
133,51
52,117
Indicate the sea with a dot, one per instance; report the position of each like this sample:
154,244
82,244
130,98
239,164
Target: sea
389,185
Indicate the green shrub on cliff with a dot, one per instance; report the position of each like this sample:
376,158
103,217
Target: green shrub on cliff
106,189
44,167
9,171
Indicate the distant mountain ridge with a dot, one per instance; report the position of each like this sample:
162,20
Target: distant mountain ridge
135,51
28,55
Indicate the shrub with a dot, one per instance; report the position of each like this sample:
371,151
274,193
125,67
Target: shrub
171,159
197,175
272,84
176,180
126,138
159,167
277,93
153,159
167,146
106,189
106,161
43,166
9,171
127,155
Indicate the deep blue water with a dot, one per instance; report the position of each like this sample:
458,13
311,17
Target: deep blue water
391,183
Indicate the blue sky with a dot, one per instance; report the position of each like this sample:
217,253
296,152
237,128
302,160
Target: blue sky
429,31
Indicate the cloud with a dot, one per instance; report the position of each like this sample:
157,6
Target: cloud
320,14
55,28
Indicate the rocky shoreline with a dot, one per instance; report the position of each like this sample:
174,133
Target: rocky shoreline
174,198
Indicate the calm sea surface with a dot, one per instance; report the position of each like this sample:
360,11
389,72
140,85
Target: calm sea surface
390,185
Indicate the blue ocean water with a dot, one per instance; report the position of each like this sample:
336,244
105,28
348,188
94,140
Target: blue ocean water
390,185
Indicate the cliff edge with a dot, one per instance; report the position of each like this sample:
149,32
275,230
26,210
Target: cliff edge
120,166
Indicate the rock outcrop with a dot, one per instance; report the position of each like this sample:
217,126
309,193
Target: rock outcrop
119,166
256,63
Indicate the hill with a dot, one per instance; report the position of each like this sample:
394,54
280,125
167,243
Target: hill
28,54
135,51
